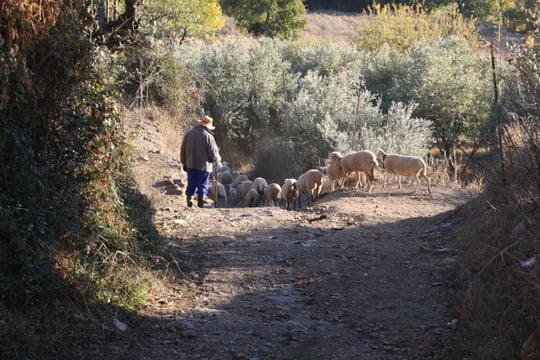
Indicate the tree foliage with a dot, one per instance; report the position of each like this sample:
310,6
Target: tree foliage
64,190
178,19
510,13
402,26
297,101
448,81
273,18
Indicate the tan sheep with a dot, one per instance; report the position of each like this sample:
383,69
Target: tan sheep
259,184
357,161
216,191
310,183
334,174
289,192
252,198
272,194
404,165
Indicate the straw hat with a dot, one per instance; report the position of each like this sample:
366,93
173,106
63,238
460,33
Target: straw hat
207,122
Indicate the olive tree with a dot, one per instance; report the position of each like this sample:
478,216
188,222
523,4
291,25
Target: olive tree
446,78
273,18
293,100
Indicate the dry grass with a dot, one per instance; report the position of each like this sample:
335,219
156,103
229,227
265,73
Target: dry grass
500,232
328,26
333,27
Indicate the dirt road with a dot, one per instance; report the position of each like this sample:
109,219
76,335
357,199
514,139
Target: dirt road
357,276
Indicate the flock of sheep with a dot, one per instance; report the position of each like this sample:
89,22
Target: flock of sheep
356,168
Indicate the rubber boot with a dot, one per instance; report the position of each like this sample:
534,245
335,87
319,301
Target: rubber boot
189,203
200,201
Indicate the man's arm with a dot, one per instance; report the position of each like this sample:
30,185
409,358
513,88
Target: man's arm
213,150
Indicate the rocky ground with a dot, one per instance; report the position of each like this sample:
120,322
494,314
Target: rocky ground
357,275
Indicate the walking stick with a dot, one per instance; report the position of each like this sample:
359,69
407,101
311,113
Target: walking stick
216,186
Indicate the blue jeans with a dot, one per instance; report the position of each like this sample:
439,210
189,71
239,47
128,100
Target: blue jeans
197,181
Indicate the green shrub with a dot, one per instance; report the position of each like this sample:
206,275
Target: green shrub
309,100
446,79
152,75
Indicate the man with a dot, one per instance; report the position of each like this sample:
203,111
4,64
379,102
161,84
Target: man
197,153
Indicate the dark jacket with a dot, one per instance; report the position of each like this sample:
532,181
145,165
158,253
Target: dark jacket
199,149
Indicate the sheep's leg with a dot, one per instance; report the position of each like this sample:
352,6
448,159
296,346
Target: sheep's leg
428,183
422,175
317,193
366,182
358,182
384,179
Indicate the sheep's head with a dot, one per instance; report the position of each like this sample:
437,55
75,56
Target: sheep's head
334,157
379,153
293,191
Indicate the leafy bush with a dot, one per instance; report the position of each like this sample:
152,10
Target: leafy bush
449,83
171,19
151,75
277,18
402,26
306,104
399,132
66,205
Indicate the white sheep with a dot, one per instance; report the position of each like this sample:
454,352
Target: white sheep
216,191
243,188
272,194
289,192
259,184
404,165
310,183
357,161
252,198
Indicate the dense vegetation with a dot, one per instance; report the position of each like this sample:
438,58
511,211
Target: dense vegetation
74,232
511,13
